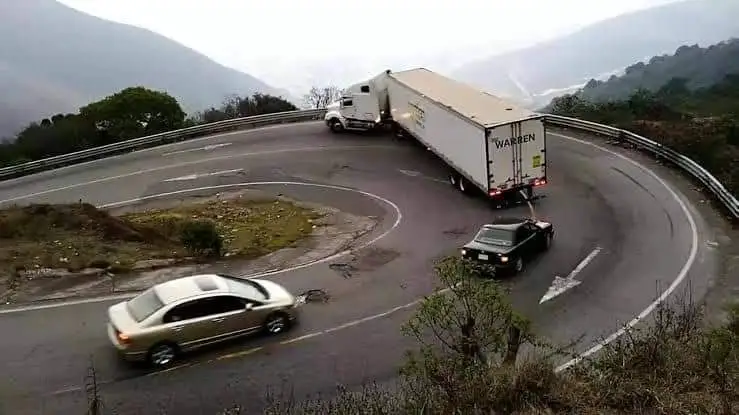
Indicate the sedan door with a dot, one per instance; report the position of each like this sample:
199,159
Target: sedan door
237,316
196,323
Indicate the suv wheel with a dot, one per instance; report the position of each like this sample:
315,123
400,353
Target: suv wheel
548,241
518,267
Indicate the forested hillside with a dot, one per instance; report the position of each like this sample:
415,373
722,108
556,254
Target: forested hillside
561,64
701,123
699,67
130,113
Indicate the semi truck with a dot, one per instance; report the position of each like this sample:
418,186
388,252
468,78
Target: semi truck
487,142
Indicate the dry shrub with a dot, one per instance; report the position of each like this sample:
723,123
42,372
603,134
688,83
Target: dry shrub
673,366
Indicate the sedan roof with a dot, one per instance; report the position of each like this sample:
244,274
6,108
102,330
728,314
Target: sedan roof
194,285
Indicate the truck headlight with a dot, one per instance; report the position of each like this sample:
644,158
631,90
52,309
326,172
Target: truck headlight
504,259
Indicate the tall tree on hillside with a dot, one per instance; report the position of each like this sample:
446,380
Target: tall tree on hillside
134,112
320,97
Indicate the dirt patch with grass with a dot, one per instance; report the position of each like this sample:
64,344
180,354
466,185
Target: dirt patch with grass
42,240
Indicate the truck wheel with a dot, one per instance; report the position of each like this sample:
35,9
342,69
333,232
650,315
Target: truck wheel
462,185
336,126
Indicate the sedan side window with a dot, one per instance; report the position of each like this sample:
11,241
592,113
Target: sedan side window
188,311
226,304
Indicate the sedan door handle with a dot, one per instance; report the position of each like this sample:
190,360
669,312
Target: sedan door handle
177,328
218,320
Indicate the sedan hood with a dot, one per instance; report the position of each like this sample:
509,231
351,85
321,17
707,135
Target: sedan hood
496,249
277,293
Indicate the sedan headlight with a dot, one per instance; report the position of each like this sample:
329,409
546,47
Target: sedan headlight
464,252
504,259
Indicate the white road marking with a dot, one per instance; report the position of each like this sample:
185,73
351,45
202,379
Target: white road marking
206,148
199,175
162,147
190,163
560,285
675,283
413,173
398,219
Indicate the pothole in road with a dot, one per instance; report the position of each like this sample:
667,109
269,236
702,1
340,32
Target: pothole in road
365,260
313,296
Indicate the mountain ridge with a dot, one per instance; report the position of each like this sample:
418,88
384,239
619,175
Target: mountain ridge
61,58
605,47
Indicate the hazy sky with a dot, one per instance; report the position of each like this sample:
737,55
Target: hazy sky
292,44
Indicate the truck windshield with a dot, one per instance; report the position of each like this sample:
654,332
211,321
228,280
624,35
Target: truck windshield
491,236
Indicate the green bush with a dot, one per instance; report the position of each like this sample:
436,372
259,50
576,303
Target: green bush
201,238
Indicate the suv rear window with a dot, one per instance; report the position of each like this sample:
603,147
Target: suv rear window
492,236
144,305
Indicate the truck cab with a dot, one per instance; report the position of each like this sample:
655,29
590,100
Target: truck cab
358,109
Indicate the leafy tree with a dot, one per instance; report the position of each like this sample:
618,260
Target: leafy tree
134,112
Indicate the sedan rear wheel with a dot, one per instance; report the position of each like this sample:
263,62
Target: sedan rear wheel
162,355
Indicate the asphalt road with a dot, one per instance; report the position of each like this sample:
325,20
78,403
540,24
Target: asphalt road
598,201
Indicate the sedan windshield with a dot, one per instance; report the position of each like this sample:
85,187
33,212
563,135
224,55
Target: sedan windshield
492,236
246,288
144,305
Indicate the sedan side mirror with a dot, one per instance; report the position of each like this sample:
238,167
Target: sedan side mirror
249,306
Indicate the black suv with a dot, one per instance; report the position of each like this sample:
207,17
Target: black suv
507,243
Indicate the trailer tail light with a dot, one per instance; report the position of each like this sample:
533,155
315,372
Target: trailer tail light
494,192
540,182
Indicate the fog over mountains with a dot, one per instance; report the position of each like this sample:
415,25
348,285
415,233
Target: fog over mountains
536,74
55,59
58,59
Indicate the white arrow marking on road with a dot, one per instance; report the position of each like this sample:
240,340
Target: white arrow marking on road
197,176
560,285
206,148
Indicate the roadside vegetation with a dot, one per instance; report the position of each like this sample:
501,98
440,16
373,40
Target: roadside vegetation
78,236
130,113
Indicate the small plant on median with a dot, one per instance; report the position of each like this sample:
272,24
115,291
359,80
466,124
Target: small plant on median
201,238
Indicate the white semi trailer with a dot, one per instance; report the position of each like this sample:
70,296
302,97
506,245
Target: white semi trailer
489,143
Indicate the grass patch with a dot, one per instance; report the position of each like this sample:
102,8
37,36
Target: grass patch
77,236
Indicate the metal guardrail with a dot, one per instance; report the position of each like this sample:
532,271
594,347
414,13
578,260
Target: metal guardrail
639,142
656,149
158,139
